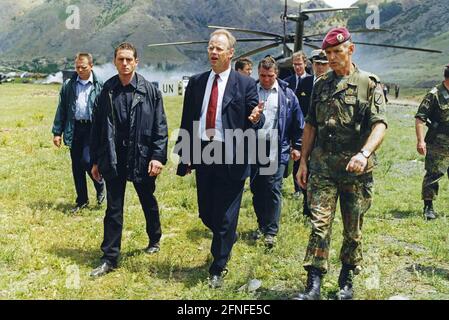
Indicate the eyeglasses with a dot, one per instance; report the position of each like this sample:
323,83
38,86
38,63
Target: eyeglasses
218,49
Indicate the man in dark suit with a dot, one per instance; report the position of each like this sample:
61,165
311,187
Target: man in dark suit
217,102
302,84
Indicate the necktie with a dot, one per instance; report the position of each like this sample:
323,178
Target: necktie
212,107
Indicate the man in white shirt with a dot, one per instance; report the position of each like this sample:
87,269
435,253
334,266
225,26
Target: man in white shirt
217,101
283,126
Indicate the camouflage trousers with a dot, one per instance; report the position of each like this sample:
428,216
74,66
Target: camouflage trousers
436,165
430,185
355,194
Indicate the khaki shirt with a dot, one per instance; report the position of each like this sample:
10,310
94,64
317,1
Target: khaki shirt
435,107
342,128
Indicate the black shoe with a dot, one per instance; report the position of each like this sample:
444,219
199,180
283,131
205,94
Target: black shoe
103,269
429,213
313,288
100,197
345,281
269,241
153,248
256,235
79,207
216,280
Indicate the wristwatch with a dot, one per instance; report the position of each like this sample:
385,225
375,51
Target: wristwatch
365,153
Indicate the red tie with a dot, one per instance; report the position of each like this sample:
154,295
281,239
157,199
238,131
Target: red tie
212,107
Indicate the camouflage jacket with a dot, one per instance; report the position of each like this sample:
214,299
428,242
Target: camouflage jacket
435,108
343,110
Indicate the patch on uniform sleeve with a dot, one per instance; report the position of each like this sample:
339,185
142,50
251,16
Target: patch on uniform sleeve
446,95
379,97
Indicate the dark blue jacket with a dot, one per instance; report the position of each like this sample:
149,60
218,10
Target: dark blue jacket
148,133
240,97
303,92
290,122
65,114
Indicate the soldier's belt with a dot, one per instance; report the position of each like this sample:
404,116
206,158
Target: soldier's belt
444,129
334,146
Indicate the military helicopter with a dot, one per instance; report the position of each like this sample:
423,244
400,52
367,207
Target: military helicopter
298,39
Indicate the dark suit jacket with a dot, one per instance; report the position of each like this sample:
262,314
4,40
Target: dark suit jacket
304,91
240,97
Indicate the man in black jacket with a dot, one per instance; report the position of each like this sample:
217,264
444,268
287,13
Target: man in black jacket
128,142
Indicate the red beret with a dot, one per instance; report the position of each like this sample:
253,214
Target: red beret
335,37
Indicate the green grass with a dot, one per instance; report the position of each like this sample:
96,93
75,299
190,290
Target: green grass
46,253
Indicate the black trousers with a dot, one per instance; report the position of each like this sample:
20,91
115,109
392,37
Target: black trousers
219,200
113,220
267,199
81,164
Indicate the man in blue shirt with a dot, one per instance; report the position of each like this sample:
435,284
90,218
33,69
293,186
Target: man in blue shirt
73,121
283,132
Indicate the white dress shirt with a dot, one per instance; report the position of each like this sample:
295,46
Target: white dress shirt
305,74
221,82
270,98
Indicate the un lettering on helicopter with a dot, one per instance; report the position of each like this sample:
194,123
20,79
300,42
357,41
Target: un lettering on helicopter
172,88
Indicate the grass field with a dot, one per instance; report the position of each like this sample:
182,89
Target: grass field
47,254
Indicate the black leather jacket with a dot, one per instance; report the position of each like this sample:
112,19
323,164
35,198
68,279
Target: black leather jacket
148,133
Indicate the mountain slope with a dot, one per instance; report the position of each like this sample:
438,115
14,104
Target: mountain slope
420,24
104,23
37,28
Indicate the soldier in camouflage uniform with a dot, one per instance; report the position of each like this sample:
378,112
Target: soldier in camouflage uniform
346,123
434,112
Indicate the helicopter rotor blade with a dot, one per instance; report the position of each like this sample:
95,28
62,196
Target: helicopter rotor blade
320,10
257,50
260,33
257,39
351,31
386,46
312,46
397,47
207,41
177,43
